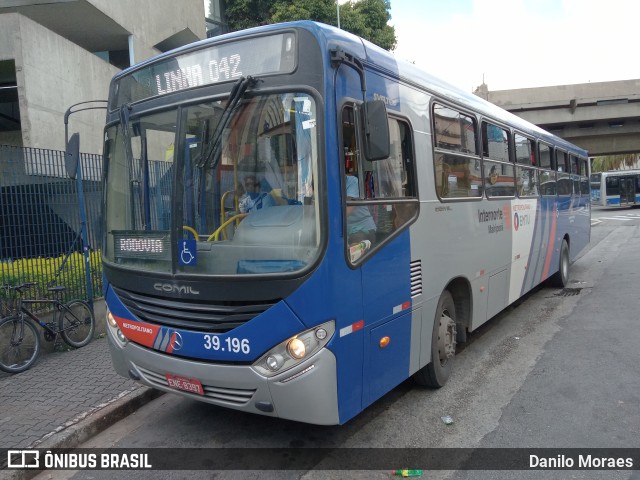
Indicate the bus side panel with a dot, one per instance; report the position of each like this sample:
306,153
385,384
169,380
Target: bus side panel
566,221
525,216
582,226
541,244
386,292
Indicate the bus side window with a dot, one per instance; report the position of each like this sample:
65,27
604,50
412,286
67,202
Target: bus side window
526,173
584,178
546,174
565,185
498,169
458,172
381,196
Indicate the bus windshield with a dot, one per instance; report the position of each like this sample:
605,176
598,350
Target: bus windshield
210,188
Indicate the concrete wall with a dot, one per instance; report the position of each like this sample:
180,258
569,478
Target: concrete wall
54,74
155,20
561,95
602,117
11,138
7,36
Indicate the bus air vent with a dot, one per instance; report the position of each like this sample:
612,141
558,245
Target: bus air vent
216,317
416,278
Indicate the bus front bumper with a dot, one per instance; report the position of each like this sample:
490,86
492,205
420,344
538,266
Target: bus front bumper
306,393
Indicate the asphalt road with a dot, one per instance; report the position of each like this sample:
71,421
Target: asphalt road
554,370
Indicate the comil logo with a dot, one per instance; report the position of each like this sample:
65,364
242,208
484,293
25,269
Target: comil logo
23,459
171,288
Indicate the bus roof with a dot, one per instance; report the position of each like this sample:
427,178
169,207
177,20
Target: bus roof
383,61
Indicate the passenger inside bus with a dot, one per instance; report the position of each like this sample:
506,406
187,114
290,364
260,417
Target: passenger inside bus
254,198
360,224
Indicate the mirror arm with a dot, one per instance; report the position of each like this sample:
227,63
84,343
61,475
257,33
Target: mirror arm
341,57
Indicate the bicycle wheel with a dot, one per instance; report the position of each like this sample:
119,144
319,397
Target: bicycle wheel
77,323
19,344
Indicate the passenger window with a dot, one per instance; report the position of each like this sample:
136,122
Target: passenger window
575,174
381,196
526,176
499,172
545,156
458,172
547,176
565,184
584,179
561,161
454,131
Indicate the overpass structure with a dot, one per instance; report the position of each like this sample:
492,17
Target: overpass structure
601,117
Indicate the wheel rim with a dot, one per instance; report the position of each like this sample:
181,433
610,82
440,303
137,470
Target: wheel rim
77,325
565,264
446,337
21,349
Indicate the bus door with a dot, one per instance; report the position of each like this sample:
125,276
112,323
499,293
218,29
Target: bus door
627,191
380,202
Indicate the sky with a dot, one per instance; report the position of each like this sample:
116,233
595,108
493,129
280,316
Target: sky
519,43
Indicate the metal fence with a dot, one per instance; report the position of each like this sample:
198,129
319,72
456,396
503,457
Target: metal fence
41,237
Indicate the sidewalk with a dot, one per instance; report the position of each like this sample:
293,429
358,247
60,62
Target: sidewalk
65,398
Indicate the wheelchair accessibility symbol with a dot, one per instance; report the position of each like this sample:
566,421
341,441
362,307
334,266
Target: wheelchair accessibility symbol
187,250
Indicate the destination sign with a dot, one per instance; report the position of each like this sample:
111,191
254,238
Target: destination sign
141,244
209,65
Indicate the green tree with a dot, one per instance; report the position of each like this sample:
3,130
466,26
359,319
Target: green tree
614,162
365,18
241,14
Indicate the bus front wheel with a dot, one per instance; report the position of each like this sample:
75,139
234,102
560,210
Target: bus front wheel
443,345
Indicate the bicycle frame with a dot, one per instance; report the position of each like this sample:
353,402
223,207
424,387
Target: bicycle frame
25,311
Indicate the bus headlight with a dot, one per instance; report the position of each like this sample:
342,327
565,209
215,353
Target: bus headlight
113,326
296,348
293,350
111,320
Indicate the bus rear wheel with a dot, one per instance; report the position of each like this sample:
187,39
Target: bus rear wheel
561,277
443,345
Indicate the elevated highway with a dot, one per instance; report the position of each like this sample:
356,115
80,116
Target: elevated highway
602,117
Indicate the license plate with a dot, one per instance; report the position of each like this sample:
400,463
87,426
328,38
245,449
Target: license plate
190,385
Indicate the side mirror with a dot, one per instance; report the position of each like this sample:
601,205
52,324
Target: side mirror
72,155
376,141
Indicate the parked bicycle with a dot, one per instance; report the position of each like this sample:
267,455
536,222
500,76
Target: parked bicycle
19,339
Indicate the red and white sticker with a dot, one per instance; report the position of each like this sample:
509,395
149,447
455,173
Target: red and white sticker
400,308
354,327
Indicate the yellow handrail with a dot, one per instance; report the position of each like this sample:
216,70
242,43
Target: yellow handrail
193,231
214,235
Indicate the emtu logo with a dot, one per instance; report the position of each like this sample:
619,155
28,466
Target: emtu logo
520,220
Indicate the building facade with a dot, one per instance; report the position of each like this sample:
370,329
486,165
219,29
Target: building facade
58,53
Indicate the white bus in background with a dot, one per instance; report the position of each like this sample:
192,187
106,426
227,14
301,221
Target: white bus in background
615,188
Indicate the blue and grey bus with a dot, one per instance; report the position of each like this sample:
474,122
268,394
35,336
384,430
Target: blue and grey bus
296,222
617,188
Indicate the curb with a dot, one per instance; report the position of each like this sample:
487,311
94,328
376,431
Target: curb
95,421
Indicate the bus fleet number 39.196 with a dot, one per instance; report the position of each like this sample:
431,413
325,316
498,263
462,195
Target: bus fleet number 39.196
229,344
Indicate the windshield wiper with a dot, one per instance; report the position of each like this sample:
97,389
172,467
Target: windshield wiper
238,90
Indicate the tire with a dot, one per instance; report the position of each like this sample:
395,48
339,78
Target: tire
19,344
560,279
443,345
77,323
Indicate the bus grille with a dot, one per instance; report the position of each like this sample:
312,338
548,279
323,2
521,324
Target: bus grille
234,396
416,278
203,317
